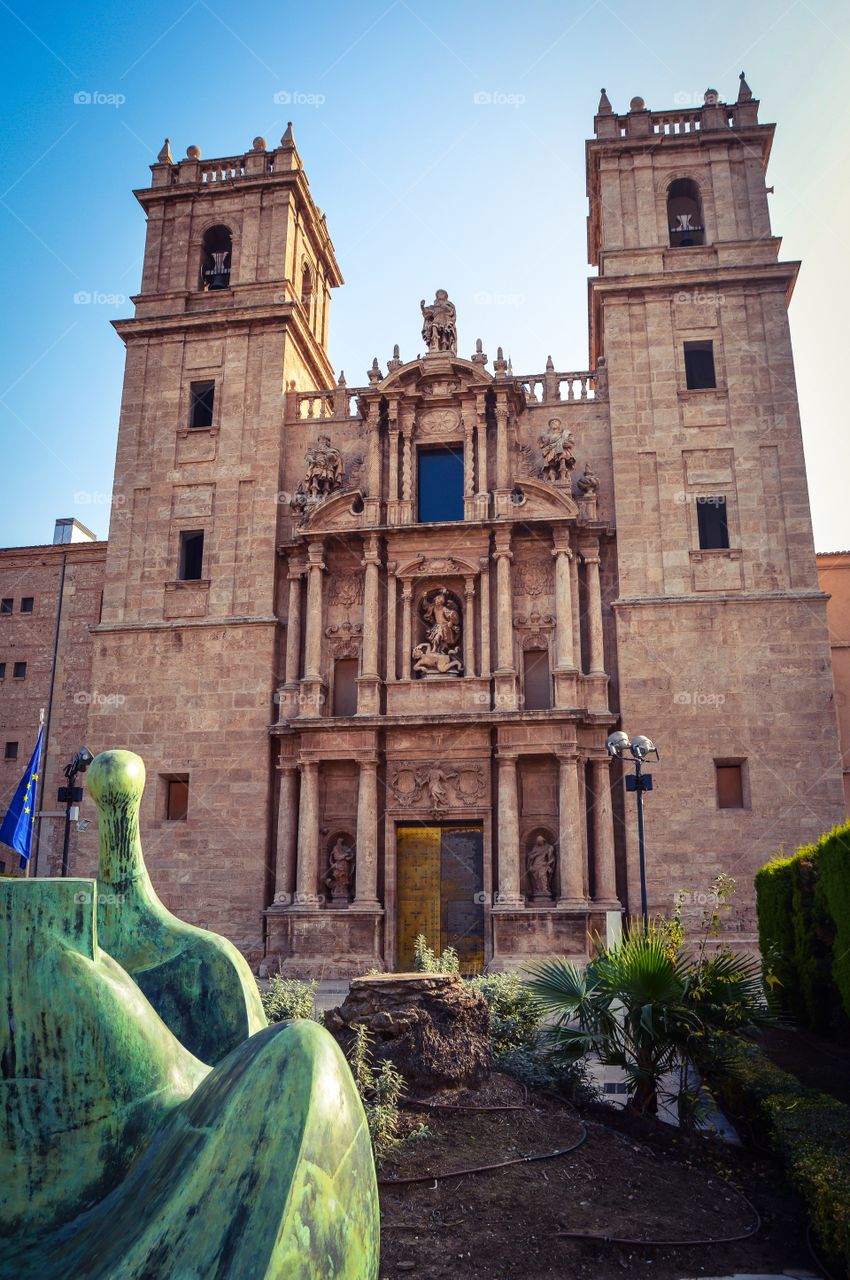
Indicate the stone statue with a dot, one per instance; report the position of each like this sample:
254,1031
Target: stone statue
540,866
588,483
438,655
340,871
324,475
435,781
556,446
439,327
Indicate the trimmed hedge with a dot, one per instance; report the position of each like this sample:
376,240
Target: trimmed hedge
803,907
810,1131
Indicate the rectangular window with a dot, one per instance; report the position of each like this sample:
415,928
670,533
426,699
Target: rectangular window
345,687
730,784
11,751
537,682
201,397
20,671
2,670
26,604
177,798
440,484
712,523
6,604
191,555
699,366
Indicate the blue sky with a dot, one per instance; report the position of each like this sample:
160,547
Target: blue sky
424,185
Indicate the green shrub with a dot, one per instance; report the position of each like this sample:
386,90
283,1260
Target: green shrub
426,960
287,999
380,1092
774,890
810,1131
833,895
515,1015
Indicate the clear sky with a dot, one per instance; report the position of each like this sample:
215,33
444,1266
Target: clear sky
445,141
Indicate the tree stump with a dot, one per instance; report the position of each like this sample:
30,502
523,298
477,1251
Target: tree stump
430,1026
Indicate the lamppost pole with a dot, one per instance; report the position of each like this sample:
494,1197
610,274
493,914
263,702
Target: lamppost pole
620,747
70,795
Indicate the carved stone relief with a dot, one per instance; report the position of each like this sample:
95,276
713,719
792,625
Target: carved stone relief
437,655
533,578
437,786
439,422
346,589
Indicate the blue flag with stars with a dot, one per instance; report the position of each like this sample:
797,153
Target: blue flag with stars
19,821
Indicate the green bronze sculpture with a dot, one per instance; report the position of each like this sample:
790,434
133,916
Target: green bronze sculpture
125,1157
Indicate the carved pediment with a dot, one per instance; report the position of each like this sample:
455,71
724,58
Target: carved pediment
544,500
342,511
436,566
440,375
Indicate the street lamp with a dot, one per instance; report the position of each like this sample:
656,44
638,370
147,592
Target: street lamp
620,747
71,795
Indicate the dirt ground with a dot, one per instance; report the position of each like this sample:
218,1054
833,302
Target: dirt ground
627,1178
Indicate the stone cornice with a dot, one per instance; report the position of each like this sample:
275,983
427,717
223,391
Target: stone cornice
727,597
181,624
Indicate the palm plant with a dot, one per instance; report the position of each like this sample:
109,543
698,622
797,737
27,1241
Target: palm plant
646,1007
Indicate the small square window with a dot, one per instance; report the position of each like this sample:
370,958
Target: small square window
20,671
26,604
7,604
699,366
11,751
191,555
201,400
177,798
730,784
712,524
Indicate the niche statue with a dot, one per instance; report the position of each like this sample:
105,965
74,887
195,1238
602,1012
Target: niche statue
340,874
540,867
438,654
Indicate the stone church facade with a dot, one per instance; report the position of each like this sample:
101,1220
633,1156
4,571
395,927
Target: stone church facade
371,640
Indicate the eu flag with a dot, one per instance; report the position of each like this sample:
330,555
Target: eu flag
18,823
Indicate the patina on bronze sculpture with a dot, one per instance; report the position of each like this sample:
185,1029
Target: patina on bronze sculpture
122,1155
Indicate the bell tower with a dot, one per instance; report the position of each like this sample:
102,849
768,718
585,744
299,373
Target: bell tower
231,317
715,553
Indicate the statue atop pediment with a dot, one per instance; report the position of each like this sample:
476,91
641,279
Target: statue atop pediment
439,323
556,445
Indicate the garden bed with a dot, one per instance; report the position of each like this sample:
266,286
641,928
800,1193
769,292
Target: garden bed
628,1178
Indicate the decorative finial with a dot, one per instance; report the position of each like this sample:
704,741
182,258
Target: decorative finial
478,356
375,372
550,365
194,153
637,104
288,140
340,382
745,93
396,361
439,324
165,156
500,364
604,108
259,144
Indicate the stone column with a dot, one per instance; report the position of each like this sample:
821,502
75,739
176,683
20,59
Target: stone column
366,871
372,502
508,800
469,628
503,466
570,842
406,628
369,678
393,460
293,625
307,882
312,685
574,593
484,589
406,472
605,871
565,666
287,832
392,605
505,674
481,435
594,613
468,464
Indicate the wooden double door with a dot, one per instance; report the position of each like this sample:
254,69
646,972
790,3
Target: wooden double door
440,891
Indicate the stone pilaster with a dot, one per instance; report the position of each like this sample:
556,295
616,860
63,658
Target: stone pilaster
469,628
392,607
307,880
406,629
565,664
571,856
484,590
605,871
312,686
508,896
503,461
288,695
597,680
366,871
368,682
287,832
505,673
483,493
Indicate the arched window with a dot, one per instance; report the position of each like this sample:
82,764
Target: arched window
216,256
684,214
307,290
